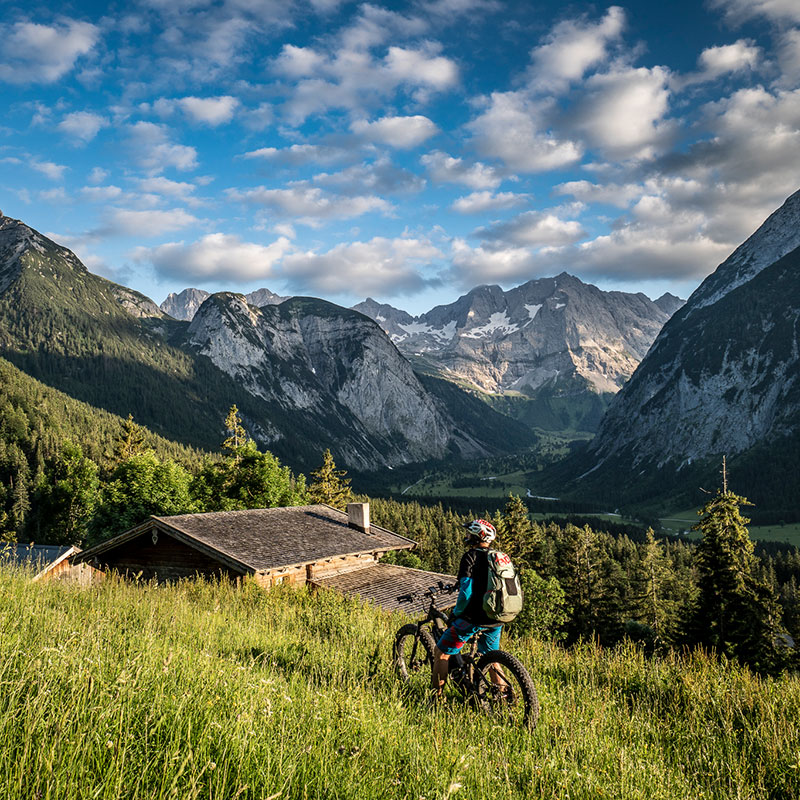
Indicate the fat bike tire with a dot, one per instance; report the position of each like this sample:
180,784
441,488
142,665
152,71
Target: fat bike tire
413,657
514,700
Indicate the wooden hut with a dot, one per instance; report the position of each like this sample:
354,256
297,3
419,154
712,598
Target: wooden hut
300,544
49,562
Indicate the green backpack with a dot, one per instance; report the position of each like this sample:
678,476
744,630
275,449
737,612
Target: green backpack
503,599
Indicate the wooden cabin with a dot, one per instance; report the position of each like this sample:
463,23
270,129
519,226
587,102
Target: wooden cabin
314,544
49,562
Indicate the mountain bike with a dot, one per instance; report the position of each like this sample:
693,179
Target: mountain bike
496,683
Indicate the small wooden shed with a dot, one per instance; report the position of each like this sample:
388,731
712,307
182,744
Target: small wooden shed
50,562
314,544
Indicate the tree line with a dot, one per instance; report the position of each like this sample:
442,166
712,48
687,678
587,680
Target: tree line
582,583
73,498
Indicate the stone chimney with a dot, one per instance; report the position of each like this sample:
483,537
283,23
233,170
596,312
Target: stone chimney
358,516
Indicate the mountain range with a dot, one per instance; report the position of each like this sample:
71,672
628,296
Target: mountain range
551,352
721,379
305,374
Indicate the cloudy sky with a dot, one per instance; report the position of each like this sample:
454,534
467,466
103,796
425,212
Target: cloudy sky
406,151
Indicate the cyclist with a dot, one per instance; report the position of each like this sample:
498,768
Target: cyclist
469,618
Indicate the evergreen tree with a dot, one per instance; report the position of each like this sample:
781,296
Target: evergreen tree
130,442
737,615
516,534
330,485
653,602
237,438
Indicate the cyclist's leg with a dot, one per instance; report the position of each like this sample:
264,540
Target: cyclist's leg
490,640
450,643
439,671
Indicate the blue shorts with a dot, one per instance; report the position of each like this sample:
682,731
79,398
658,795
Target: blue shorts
461,631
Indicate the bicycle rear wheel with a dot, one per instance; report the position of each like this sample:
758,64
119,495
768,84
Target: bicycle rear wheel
413,657
505,690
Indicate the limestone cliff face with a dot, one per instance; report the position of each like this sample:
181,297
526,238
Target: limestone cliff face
553,332
336,368
724,374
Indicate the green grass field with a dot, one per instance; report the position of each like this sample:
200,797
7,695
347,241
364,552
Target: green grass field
208,691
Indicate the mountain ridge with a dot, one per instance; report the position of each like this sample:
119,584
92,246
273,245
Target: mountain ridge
114,348
720,379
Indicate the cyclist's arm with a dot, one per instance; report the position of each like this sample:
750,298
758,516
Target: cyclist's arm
465,583
464,594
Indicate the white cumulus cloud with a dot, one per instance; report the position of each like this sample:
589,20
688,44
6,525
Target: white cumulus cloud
572,48
471,266
378,266
152,149
511,129
82,126
299,155
448,169
399,132
775,10
622,111
534,229
311,204
33,53
215,257
209,110
127,222
480,202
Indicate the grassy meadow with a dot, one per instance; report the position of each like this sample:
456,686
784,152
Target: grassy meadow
208,691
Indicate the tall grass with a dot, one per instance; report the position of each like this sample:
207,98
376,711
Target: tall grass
209,691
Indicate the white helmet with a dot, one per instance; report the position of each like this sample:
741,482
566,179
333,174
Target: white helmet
482,530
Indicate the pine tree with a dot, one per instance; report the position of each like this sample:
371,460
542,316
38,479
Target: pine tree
237,435
653,601
130,442
330,485
516,533
737,615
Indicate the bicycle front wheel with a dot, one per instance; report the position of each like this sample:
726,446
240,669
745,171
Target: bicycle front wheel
413,656
504,689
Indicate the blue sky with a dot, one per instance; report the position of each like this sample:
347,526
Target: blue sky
405,151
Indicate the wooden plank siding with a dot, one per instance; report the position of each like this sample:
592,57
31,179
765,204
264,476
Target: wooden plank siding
165,560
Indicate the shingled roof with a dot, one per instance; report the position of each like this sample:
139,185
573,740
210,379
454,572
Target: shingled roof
382,584
265,538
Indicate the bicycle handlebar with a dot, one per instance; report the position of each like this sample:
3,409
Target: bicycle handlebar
431,592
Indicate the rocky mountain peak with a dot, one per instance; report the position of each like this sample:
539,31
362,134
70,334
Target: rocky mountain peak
722,377
555,332
17,240
184,305
777,236
264,297
669,303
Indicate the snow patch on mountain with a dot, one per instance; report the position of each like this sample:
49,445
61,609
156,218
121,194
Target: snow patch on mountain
498,322
533,310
